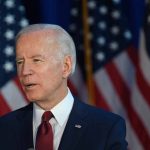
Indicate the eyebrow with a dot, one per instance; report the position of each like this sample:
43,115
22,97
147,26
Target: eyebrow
41,56
19,58
38,55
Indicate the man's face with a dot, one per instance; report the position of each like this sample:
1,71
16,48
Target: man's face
42,74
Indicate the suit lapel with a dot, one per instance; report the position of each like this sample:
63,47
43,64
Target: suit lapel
25,127
75,127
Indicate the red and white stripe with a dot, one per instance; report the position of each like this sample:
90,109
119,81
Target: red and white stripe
119,85
11,97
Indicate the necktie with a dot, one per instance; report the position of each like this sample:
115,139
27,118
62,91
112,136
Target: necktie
44,138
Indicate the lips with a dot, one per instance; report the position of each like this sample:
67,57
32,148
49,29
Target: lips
30,85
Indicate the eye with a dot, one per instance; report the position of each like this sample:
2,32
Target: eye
19,62
36,60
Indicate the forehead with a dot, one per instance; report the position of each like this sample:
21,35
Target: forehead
37,41
39,35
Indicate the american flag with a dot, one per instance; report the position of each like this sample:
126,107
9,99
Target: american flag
12,19
112,72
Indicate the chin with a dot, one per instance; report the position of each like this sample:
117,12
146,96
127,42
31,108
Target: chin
34,98
31,98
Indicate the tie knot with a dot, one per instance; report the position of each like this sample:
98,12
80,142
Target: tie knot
47,115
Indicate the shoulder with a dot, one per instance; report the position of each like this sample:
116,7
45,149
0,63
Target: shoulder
11,116
99,115
102,124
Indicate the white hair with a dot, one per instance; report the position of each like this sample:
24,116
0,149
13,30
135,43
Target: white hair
64,40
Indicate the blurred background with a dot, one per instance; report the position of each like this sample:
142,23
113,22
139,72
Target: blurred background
112,39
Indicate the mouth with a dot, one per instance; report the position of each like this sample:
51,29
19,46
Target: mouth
29,86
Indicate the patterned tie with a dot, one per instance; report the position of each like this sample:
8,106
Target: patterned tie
44,138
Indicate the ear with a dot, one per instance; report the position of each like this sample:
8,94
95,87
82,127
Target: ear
67,66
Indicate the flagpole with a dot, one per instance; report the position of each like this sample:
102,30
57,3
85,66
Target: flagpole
88,54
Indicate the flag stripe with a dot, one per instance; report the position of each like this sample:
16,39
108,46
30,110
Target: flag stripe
144,60
133,141
141,107
143,86
78,83
73,88
4,108
133,55
126,101
100,101
141,73
14,99
17,82
123,64
104,85
114,103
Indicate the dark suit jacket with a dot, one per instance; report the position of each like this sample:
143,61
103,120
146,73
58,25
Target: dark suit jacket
88,128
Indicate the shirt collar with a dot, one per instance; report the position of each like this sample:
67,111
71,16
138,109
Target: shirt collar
61,111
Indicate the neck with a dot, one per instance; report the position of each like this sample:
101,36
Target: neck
52,102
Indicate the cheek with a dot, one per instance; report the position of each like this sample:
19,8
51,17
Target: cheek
50,84
52,75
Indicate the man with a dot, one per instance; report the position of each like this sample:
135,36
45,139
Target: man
45,58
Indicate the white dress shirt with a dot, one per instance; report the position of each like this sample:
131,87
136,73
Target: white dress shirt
61,113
